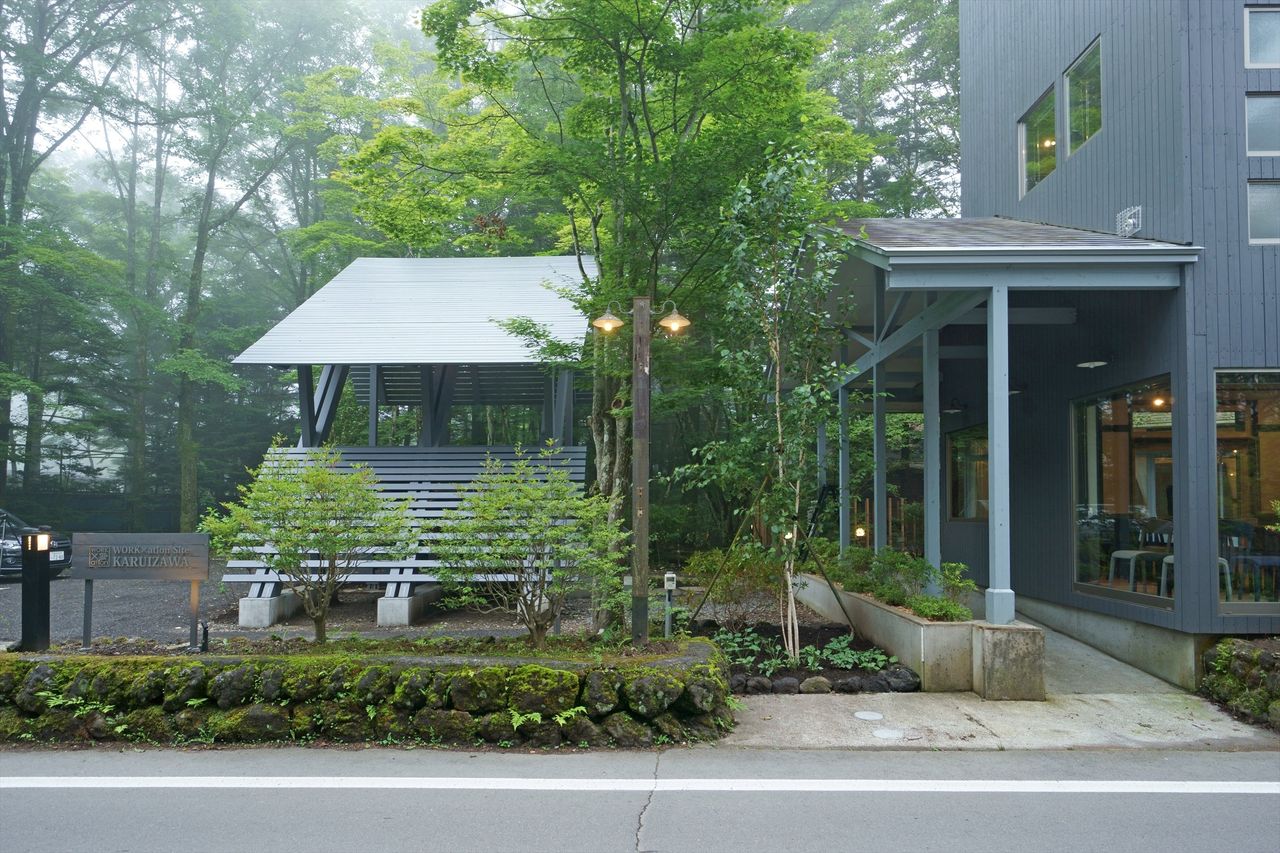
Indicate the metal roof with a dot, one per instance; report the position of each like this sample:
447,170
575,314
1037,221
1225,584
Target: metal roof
1010,239
426,311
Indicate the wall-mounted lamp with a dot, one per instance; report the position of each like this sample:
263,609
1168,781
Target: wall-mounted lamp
955,407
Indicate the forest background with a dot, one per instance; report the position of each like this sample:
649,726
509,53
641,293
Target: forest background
177,175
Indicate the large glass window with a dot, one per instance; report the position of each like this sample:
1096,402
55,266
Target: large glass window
1248,481
1262,38
967,464
1262,125
1039,137
1264,211
1124,491
1084,96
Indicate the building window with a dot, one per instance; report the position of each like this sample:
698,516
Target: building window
1262,38
1264,211
1248,482
1039,141
1262,125
1124,492
1084,96
967,466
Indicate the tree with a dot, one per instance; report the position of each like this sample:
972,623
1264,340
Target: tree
524,539
298,511
780,293
621,129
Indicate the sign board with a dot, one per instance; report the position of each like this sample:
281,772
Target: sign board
140,556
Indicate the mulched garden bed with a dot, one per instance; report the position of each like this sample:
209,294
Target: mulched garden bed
764,673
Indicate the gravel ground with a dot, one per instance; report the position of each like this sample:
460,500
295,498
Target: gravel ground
158,611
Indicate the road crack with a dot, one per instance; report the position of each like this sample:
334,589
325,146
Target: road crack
657,759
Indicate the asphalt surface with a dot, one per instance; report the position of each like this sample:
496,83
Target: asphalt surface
701,800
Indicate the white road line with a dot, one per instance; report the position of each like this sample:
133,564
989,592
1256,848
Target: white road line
500,783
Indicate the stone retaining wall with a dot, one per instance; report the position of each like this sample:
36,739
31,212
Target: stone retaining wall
381,699
1245,677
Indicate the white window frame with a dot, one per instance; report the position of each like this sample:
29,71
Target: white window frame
1023,189
1066,94
1258,241
1249,10
1274,96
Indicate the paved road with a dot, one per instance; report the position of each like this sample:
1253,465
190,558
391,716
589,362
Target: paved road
703,800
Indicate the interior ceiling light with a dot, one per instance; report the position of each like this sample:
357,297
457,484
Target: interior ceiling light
953,408
1090,365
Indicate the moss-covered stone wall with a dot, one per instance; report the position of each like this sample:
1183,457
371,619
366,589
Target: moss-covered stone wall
375,699
1245,677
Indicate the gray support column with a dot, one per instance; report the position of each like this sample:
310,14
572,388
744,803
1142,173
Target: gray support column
932,457
880,489
548,407
843,468
373,405
1000,603
307,405
442,403
426,391
562,428
333,378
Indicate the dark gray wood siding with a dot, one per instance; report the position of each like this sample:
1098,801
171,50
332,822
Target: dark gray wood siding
1172,141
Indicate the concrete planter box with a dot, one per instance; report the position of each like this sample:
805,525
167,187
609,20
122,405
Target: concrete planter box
996,662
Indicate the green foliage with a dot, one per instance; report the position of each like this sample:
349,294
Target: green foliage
938,609
526,519
736,577
300,511
841,655
811,658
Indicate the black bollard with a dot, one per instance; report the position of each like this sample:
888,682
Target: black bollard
35,589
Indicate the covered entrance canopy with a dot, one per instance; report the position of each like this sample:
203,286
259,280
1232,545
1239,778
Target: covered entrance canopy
428,332
911,278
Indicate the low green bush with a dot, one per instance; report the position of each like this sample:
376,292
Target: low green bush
937,609
900,579
738,578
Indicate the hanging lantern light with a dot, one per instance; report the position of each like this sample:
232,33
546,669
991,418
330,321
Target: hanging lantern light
675,321
608,321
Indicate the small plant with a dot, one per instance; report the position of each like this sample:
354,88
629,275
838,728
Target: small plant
371,711
564,717
518,719
811,658
197,702
505,744
661,739
938,609
840,655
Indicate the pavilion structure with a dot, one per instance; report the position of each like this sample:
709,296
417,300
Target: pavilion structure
428,333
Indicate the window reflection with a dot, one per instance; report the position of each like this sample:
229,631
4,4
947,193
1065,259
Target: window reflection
1124,491
1248,482
1039,142
968,467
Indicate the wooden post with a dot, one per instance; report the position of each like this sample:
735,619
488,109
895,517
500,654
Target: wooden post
640,472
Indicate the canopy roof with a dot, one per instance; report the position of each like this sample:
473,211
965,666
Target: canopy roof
426,311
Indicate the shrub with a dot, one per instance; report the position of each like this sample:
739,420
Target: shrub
294,511
737,580
524,539
938,609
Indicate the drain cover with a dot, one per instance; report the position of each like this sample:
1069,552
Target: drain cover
868,715
888,734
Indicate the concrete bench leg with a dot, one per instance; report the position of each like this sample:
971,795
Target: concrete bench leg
405,610
267,611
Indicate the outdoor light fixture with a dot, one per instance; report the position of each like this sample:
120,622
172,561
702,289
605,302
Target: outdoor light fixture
608,321
38,541
1158,402
1090,365
860,532
955,407
675,321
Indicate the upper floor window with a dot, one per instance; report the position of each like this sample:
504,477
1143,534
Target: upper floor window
1264,211
1262,125
1039,141
1084,96
1262,38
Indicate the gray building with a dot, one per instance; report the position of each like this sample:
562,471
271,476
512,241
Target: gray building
1096,342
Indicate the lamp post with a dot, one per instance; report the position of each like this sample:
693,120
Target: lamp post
641,341
35,589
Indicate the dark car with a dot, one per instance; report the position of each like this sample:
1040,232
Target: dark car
11,528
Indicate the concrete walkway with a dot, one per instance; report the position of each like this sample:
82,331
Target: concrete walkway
1094,702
